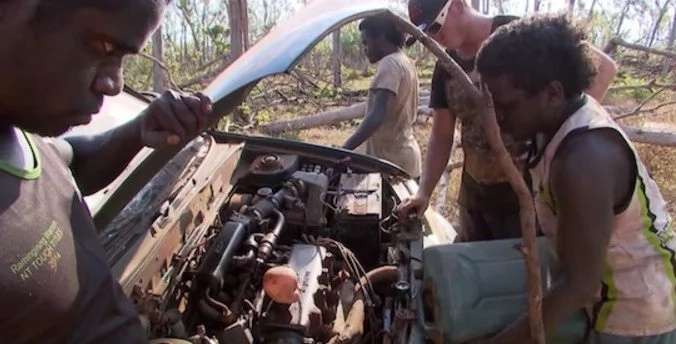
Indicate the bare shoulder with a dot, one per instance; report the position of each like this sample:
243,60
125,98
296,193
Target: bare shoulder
593,160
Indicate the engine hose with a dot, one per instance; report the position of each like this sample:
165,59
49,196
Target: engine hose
353,326
252,244
240,296
214,309
270,239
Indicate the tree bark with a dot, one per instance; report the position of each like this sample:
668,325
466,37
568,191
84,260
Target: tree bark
159,76
659,138
244,14
354,111
337,59
536,5
237,12
670,45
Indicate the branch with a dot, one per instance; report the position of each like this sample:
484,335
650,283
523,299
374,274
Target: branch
208,75
159,63
652,109
640,106
619,41
649,85
486,111
651,137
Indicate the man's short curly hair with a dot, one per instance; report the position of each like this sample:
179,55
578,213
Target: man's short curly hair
537,50
381,24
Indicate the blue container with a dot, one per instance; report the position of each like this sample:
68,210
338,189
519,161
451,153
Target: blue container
473,290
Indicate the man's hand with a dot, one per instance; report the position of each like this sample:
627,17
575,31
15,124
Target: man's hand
173,118
416,204
169,120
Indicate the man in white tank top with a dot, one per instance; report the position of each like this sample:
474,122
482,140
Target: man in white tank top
595,200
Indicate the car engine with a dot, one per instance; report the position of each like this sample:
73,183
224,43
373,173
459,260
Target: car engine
299,253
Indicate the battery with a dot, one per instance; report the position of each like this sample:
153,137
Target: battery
360,197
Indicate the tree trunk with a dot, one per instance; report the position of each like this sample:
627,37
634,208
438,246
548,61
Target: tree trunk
238,30
590,16
571,7
337,59
658,21
536,4
623,15
244,14
159,78
670,44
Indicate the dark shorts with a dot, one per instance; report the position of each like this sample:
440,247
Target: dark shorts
480,225
487,211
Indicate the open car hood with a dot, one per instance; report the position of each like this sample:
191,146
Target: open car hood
284,46
278,52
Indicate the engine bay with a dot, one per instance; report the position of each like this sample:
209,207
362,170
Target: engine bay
300,252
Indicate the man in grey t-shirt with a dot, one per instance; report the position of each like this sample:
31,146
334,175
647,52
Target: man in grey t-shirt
58,60
387,128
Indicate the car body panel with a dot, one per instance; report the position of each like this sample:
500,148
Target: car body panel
283,47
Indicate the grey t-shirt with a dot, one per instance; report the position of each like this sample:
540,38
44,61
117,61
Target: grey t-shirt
55,282
394,140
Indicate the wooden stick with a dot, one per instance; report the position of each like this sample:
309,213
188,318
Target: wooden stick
486,110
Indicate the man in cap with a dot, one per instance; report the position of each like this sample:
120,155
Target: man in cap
489,208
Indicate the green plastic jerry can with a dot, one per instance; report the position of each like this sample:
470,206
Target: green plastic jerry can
474,290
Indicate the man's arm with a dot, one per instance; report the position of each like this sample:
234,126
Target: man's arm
439,148
606,70
170,119
374,118
589,177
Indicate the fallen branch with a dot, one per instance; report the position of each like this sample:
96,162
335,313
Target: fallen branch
486,111
615,41
354,111
660,138
324,118
652,84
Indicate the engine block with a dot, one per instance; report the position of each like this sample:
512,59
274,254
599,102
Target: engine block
304,315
